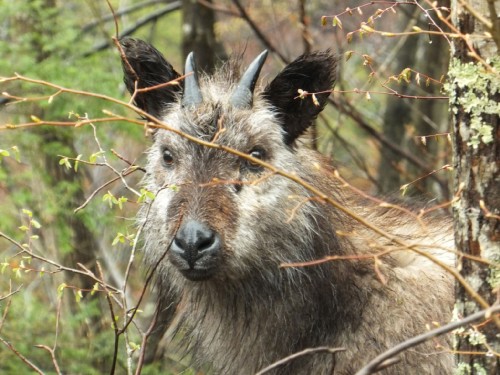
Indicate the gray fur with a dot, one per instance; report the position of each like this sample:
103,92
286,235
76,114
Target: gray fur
251,312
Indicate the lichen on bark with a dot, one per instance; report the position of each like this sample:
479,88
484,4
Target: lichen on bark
473,90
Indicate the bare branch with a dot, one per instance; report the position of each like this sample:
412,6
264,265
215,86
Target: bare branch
374,365
11,293
52,356
22,357
267,43
140,23
110,17
144,342
486,22
320,349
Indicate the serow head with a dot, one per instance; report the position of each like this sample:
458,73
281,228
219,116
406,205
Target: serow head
217,213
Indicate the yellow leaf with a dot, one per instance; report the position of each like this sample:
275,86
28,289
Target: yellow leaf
366,28
348,55
337,22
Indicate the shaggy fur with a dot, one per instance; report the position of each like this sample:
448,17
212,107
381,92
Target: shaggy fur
250,312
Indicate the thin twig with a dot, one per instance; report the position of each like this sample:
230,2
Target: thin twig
113,322
145,336
97,190
55,264
11,293
52,356
22,357
9,301
486,22
258,32
153,16
309,351
373,366
110,17
149,277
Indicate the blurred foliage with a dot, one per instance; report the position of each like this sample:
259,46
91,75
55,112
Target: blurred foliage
45,40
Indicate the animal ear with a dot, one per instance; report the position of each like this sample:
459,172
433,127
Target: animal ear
146,65
314,72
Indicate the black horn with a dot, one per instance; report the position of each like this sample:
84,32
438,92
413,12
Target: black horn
243,93
192,94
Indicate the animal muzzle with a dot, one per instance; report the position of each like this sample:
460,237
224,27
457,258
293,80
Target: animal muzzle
196,250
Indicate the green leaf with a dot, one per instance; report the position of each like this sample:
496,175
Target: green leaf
60,290
3,266
4,153
94,156
120,202
348,55
36,224
17,154
337,22
134,346
77,162
366,28
78,296
145,194
120,237
27,212
95,289
109,197
65,161
405,75
404,188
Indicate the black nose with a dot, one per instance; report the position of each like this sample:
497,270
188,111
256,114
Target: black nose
195,241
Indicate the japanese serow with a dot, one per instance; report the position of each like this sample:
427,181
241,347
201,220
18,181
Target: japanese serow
222,225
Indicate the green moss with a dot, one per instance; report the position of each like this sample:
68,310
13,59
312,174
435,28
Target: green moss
476,88
463,369
466,369
479,370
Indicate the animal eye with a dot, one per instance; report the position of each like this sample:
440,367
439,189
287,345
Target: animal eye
256,153
168,158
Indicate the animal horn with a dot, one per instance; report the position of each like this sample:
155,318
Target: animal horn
192,94
243,93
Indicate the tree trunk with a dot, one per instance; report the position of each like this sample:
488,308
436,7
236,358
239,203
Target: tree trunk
198,35
404,119
474,102
397,116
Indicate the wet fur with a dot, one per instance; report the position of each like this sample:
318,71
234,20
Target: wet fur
251,312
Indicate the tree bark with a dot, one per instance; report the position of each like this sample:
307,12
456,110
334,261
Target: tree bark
474,90
198,35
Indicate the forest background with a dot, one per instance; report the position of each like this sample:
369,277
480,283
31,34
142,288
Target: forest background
73,295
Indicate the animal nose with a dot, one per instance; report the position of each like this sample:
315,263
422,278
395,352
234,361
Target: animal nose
195,240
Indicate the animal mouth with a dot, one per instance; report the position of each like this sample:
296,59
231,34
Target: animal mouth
198,274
